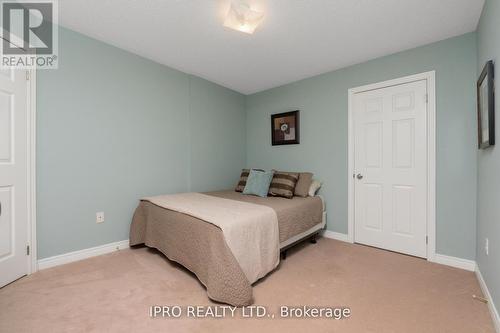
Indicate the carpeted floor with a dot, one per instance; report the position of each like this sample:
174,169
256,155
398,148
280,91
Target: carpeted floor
386,292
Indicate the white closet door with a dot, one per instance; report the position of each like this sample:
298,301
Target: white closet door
391,168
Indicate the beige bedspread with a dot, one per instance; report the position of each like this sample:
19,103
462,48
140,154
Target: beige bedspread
201,248
250,230
295,215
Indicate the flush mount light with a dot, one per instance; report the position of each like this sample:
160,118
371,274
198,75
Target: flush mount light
242,18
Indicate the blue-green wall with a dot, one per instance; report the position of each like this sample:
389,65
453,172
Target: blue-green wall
322,101
113,127
217,136
488,217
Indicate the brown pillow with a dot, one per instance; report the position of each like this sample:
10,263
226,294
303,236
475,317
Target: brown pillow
243,179
302,187
283,184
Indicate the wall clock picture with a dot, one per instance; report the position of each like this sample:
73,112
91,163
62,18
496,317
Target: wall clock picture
285,128
486,107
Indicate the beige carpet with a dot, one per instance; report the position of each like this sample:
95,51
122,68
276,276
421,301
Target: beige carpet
386,292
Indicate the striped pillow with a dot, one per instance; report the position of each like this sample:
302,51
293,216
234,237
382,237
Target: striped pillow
283,184
243,179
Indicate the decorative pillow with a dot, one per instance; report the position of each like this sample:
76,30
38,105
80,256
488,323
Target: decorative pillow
302,187
258,182
315,185
243,179
283,184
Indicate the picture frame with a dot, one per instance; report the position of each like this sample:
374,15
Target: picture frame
285,128
486,107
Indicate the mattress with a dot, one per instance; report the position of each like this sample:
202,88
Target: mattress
295,215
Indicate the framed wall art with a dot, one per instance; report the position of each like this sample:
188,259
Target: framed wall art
486,107
285,128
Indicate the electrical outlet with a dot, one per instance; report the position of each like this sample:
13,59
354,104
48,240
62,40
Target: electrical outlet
487,246
99,217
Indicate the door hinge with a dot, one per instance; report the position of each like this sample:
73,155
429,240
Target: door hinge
27,250
27,75
426,98
426,239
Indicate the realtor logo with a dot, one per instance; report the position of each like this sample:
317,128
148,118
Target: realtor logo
29,34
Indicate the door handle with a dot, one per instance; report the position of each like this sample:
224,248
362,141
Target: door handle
359,176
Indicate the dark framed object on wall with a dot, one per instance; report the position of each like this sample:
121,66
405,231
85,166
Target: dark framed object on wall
486,107
285,128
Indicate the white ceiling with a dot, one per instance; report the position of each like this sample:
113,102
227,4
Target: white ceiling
297,38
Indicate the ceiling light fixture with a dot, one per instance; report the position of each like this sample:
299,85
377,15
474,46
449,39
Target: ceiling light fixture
242,18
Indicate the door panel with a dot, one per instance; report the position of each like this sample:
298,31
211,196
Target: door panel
5,126
373,212
6,227
373,142
403,143
402,207
14,260
390,149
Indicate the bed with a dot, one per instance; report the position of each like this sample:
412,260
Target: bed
202,248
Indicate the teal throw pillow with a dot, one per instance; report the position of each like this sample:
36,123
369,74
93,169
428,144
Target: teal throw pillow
258,183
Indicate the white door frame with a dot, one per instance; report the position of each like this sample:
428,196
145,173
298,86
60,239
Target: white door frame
430,78
32,265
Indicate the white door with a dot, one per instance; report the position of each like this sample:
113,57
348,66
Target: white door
390,138
14,260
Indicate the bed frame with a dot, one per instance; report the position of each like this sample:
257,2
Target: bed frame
308,234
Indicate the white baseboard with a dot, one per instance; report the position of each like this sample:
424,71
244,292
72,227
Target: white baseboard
491,306
336,235
469,265
466,264
82,254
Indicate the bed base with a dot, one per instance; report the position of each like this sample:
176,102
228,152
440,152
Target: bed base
312,240
310,235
